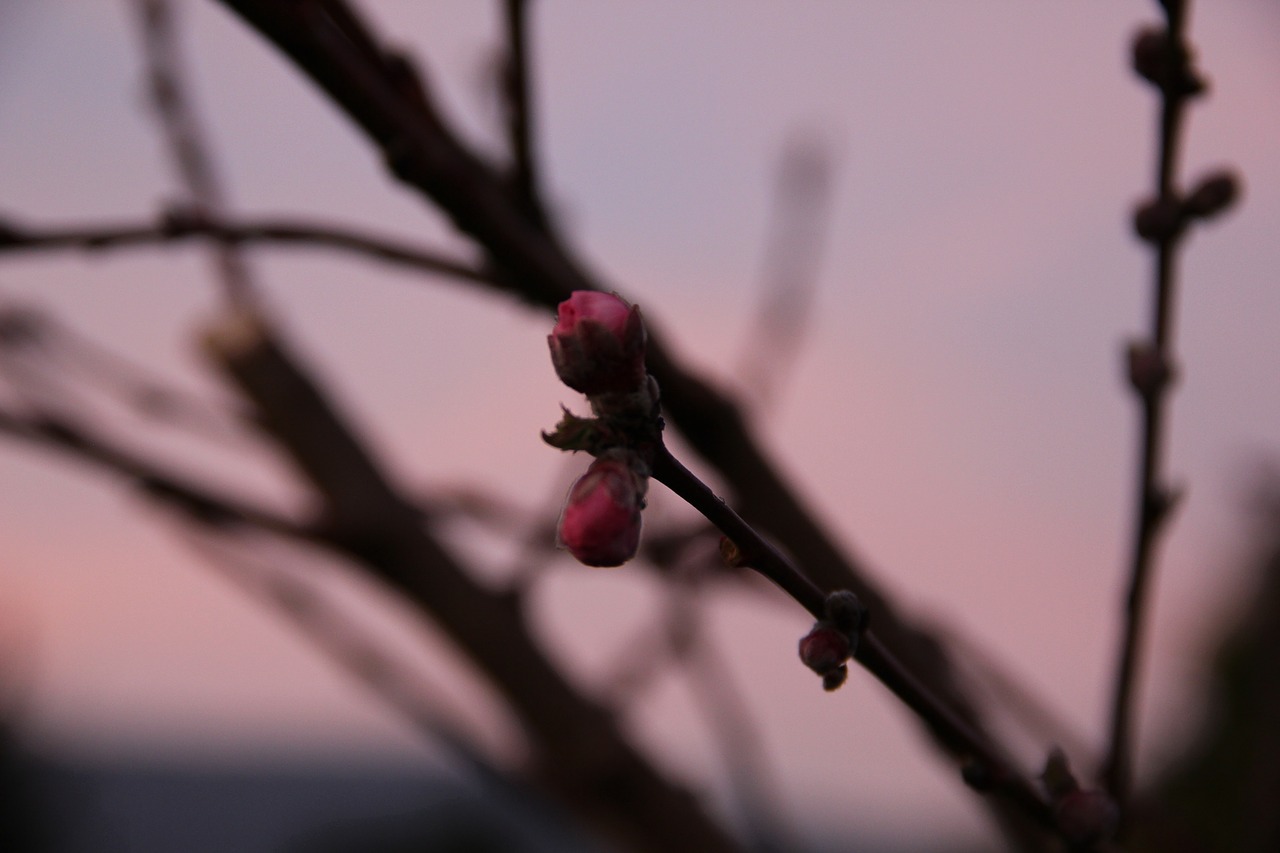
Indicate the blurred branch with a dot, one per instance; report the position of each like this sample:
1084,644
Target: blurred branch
581,755
1013,698
679,640
1162,57
346,644
180,226
727,716
1220,793
49,351
793,250
173,104
197,501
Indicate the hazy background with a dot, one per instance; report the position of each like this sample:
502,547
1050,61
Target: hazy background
956,411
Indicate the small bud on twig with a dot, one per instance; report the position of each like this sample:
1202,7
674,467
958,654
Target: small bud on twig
1149,371
833,640
1164,64
824,648
836,678
1161,502
1159,220
1214,194
846,612
731,554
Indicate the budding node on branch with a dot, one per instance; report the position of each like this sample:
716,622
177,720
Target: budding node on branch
731,554
846,612
597,347
1148,369
1159,220
1165,64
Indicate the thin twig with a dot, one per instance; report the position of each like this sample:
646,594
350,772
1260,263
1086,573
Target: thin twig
518,99
1154,497
181,227
763,557
171,98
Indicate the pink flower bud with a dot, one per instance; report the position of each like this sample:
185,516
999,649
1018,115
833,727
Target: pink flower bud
824,649
600,524
597,346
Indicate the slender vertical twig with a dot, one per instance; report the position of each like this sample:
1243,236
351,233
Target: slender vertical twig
1154,497
517,90
185,138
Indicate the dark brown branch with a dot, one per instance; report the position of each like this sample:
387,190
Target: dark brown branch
180,227
580,752
423,153
1154,496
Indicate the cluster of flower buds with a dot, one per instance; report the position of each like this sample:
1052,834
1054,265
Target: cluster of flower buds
1084,816
597,348
833,639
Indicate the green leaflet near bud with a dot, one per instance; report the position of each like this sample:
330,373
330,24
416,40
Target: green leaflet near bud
577,433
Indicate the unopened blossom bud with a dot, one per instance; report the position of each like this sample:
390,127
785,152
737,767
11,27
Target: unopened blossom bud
824,649
597,345
600,524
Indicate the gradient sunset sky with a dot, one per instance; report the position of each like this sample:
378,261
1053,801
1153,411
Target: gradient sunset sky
956,410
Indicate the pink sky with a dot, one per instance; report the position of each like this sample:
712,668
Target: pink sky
956,412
